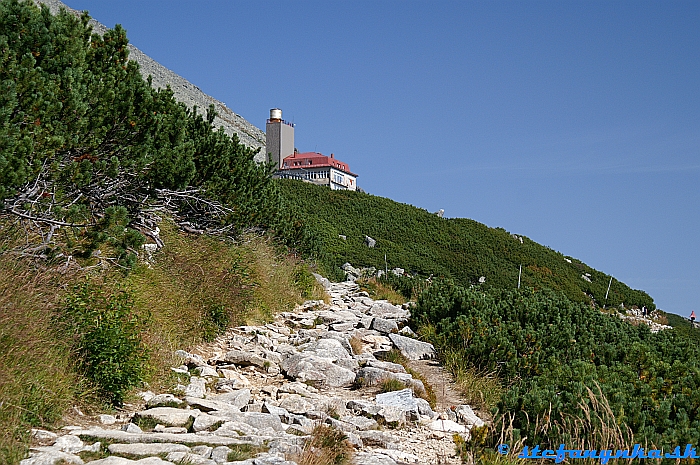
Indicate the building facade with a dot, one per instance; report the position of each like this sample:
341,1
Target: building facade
318,169
308,166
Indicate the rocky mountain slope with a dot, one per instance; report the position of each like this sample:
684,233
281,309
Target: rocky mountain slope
255,395
184,91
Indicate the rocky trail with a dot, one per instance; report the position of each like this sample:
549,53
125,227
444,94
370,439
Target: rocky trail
254,396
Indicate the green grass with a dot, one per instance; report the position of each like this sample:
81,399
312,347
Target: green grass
244,452
390,385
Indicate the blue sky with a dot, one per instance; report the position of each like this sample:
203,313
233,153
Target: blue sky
576,124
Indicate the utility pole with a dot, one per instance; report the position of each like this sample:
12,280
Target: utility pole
606,293
519,275
386,267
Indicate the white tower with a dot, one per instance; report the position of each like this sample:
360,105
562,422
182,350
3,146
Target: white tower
279,136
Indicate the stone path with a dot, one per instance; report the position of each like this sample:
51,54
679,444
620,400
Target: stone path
254,396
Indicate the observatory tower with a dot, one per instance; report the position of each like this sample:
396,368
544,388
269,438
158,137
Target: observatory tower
279,137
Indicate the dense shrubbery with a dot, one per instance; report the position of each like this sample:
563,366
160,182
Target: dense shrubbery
81,132
553,353
423,243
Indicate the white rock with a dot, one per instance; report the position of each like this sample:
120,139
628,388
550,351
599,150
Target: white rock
69,443
107,419
44,436
132,428
448,426
196,388
51,456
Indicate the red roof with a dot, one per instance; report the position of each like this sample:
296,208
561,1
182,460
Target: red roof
692,314
314,160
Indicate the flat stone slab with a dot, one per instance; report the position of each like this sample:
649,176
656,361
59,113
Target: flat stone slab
146,450
51,456
168,415
186,438
213,405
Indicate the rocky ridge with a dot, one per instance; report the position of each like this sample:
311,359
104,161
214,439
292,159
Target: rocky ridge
184,91
261,390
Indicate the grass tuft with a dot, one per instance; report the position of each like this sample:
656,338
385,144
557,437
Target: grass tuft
378,290
326,446
390,385
395,356
356,344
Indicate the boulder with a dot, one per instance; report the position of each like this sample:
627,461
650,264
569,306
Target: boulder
384,309
107,419
402,399
466,415
69,443
360,423
131,428
413,349
322,281
314,369
206,422
238,399
214,405
242,358
384,326
448,426
294,403
196,388
370,376
331,349
51,456
220,454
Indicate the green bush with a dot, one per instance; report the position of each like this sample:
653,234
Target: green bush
105,332
570,373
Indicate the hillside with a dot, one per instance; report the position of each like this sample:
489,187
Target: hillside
461,249
135,229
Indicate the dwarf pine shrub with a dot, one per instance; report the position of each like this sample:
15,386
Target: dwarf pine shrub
105,333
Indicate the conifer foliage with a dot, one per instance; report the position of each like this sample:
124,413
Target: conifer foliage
81,132
572,374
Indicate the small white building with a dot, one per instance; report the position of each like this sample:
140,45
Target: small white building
318,169
308,166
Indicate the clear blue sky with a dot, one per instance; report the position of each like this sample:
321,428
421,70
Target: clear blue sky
576,124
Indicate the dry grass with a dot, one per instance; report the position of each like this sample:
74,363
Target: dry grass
356,344
380,291
36,382
480,389
198,286
325,446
